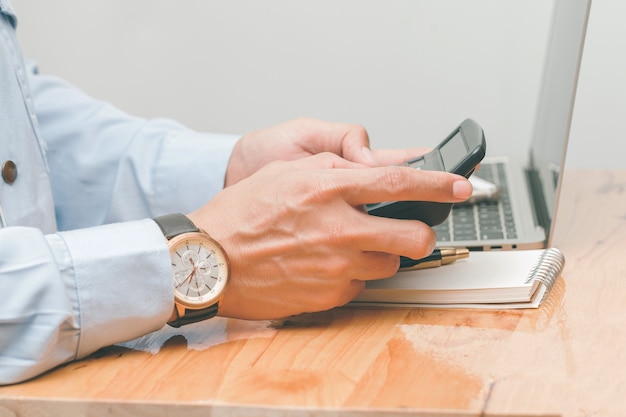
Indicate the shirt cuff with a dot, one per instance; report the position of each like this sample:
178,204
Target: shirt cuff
123,280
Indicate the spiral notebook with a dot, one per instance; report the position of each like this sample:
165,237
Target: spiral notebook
492,279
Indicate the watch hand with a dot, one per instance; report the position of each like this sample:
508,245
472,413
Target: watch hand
188,277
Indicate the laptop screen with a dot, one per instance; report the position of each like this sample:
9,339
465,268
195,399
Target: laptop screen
556,104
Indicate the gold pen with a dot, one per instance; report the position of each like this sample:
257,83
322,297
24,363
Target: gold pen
439,257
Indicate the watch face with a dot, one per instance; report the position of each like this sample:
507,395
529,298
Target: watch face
200,270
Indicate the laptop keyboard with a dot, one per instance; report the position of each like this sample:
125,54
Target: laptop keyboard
485,220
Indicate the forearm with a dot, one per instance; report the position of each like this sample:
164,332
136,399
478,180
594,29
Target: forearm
108,166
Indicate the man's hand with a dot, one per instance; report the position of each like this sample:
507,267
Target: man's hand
304,137
299,240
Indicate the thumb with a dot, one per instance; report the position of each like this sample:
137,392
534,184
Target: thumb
355,147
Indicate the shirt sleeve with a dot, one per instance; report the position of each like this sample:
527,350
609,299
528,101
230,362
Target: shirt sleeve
105,277
66,295
107,166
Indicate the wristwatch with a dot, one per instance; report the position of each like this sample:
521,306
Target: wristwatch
200,269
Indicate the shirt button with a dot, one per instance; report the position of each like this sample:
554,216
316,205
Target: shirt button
9,171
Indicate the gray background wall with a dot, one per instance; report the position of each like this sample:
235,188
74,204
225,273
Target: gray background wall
408,70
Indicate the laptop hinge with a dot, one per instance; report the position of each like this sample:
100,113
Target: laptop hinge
542,215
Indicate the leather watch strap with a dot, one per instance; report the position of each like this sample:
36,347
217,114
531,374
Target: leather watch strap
193,316
175,224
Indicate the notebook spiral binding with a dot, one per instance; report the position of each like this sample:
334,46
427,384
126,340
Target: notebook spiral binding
548,268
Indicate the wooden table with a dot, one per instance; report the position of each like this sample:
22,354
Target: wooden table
566,358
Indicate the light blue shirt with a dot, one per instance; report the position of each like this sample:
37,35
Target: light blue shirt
82,266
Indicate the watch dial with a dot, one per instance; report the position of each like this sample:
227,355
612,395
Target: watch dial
200,270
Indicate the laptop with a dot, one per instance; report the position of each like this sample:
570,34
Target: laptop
523,214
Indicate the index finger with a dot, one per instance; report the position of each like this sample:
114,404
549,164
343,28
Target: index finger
396,183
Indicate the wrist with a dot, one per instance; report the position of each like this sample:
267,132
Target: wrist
235,169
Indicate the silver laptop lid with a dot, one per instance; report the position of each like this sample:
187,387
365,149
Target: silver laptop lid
556,105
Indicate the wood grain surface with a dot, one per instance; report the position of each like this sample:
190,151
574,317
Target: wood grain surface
566,358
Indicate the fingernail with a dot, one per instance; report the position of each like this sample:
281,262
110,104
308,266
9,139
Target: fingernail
369,156
462,189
